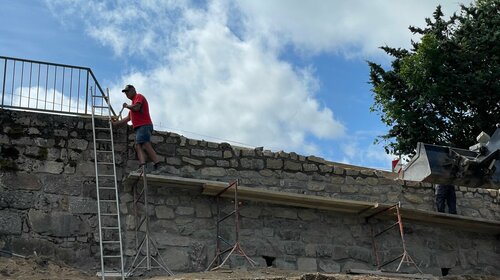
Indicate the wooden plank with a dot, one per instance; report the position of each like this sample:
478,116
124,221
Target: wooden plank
361,208
171,181
454,221
291,199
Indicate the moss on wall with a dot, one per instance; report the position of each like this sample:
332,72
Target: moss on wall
8,165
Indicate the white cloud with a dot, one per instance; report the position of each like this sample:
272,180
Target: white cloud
371,155
353,28
213,83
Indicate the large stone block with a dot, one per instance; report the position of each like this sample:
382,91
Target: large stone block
355,265
184,211
164,212
79,205
10,222
62,184
206,153
251,211
27,246
285,263
329,266
309,167
165,149
255,164
58,224
213,171
340,253
294,248
21,181
274,163
78,144
52,167
415,198
169,239
360,253
16,199
293,166
316,186
307,264
203,210
286,213
192,161
308,215
446,259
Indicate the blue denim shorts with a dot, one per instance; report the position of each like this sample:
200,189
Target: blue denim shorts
143,134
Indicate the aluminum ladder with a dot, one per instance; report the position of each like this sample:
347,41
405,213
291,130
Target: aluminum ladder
110,234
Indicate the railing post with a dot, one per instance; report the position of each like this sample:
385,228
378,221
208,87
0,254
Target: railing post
87,92
4,78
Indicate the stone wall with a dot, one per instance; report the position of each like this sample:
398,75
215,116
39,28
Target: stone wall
47,203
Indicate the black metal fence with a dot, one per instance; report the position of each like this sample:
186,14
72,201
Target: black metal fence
49,87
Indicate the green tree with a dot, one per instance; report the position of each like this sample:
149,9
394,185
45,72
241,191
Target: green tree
446,89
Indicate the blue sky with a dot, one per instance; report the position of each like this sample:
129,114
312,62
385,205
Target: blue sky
286,75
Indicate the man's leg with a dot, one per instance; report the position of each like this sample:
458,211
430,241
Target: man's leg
140,154
440,199
151,152
451,200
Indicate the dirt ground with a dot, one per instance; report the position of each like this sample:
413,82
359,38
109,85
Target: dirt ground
39,268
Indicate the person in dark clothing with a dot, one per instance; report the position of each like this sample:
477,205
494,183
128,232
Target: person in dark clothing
446,194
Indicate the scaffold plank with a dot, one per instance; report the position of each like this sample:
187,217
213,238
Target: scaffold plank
360,208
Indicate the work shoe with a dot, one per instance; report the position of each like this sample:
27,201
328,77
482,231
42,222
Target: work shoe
157,167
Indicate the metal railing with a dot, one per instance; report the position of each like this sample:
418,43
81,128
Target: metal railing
48,87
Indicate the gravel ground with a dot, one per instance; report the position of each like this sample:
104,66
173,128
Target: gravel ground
39,268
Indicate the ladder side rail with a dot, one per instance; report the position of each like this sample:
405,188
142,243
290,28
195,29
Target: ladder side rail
146,212
97,188
122,270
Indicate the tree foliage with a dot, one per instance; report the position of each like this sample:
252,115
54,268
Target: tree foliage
445,90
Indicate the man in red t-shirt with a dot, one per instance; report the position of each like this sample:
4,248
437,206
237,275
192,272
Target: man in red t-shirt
142,124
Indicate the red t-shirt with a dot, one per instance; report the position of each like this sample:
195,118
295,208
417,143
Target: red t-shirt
140,117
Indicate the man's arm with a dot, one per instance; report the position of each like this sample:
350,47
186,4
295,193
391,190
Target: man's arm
136,107
122,121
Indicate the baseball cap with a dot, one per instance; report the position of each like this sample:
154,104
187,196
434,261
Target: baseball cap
127,88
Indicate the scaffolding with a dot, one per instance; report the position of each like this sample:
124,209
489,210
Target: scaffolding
404,257
146,249
222,255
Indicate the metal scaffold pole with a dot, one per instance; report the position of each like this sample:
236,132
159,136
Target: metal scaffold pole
147,255
404,257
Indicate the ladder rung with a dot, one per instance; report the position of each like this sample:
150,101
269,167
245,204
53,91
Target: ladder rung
107,200
112,274
104,151
110,241
102,128
107,175
106,163
111,228
106,188
101,107
112,256
109,214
